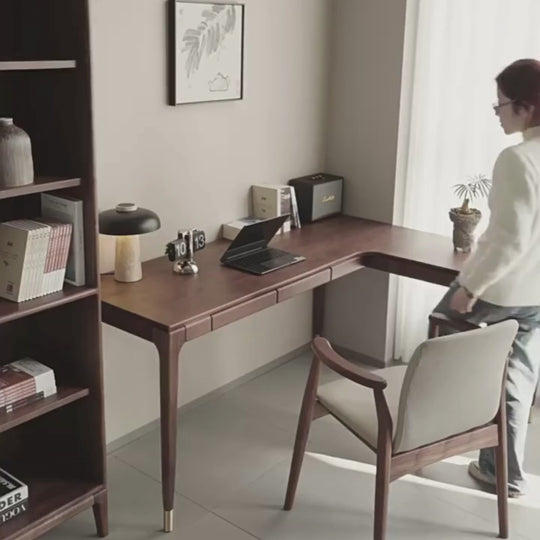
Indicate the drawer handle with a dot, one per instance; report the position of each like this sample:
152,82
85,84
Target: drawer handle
304,284
240,311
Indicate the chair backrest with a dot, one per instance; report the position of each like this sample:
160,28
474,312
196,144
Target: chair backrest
453,384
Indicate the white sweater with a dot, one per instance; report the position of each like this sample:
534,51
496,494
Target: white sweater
504,269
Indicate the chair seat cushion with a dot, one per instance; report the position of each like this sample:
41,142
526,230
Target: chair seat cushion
354,404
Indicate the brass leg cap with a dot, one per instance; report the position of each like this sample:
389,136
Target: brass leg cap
168,520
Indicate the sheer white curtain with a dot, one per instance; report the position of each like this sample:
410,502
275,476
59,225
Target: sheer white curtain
452,133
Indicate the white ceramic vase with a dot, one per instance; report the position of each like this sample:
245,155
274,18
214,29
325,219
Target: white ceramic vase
16,165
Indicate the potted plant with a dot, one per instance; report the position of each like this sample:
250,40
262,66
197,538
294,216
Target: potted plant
465,218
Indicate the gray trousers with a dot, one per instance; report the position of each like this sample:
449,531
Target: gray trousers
521,381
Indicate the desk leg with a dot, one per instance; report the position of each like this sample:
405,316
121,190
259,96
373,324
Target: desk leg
318,310
168,345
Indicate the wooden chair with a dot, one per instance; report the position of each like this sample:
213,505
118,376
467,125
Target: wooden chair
440,324
449,399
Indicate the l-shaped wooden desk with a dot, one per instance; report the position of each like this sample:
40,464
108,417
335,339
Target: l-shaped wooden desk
168,309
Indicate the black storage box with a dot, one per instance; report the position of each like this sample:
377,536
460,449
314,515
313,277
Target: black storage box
318,195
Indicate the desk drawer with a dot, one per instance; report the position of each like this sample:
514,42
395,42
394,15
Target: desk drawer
240,311
302,285
346,267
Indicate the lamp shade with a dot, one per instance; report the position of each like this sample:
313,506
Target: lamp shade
128,219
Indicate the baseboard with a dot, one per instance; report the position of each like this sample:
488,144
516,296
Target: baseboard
115,445
363,359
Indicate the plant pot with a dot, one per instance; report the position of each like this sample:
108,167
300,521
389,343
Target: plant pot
464,226
16,166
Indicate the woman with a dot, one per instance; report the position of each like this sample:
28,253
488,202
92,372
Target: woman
501,278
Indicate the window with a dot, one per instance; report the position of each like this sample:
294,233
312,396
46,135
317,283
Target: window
455,50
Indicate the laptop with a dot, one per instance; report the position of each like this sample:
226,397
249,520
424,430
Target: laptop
249,251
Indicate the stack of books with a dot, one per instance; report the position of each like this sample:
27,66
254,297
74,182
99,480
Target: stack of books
13,497
33,257
23,382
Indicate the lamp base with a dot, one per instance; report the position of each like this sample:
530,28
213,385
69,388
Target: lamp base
127,264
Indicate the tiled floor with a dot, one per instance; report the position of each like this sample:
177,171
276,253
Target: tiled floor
233,459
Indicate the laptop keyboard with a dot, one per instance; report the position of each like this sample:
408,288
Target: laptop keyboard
263,256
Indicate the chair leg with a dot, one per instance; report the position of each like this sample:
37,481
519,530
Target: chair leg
302,432
502,474
382,487
433,329
532,407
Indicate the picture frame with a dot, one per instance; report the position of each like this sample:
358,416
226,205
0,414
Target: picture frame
206,52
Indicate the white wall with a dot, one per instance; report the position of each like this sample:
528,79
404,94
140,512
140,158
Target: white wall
194,164
366,70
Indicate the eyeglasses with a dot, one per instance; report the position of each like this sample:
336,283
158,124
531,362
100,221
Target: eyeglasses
498,106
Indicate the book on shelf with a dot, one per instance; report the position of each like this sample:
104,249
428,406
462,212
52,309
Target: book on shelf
13,511
272,201
25,381
33,257
13,496
295,216
69,210
21,245
15,405
56,255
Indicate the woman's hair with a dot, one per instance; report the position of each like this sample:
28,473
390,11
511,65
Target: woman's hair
520,82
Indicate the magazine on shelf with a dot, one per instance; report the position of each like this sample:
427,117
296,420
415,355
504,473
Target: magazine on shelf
69,210
15,247
15,405
13,496
23,245
33,257
56,254
13,511
24,381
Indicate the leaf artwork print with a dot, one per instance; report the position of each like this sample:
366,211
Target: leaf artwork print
206,39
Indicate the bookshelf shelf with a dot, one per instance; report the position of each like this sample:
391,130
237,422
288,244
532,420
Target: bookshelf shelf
9,311
50,503
30,65
57,445
64,396
41,185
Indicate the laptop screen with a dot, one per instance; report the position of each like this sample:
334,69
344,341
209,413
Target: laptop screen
254,236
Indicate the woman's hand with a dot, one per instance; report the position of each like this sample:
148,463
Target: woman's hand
461,301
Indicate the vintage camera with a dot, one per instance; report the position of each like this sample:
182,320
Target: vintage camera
180,251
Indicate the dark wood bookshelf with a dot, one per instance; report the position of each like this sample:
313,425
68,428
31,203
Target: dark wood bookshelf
9,311
30,65
64,396
50,503
41,185
55,445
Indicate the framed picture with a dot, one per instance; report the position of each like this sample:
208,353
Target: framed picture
206,44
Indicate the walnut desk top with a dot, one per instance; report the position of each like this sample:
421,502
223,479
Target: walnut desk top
214,297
